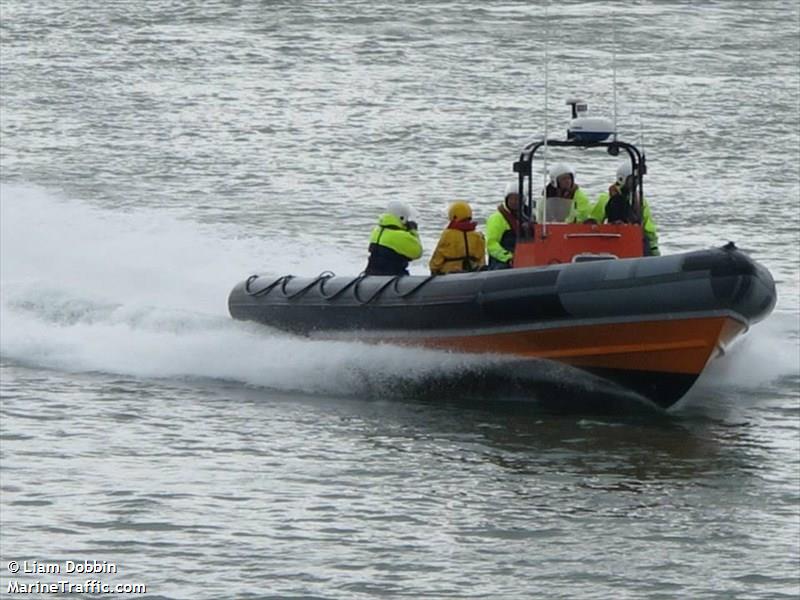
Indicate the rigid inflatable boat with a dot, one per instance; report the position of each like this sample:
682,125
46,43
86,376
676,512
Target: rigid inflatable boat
580,294
649,324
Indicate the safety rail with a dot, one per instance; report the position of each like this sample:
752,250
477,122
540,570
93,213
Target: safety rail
320,280
283,280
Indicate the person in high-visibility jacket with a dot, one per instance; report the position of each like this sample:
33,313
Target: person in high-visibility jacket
394,242
461,247
562,185
615,206
501,229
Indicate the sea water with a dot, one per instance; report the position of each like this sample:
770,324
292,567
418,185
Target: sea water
154,154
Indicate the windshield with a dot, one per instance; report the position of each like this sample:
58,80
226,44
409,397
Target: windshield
557,209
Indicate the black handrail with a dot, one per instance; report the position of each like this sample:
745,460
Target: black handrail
320,280
283,280
341,290
524,167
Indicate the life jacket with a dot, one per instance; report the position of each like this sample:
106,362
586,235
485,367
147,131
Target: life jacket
471,256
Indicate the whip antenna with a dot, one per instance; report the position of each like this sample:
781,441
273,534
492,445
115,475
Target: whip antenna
543,198
614,66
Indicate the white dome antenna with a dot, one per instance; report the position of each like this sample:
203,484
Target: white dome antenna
584,128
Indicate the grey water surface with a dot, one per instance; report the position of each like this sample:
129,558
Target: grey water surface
152,154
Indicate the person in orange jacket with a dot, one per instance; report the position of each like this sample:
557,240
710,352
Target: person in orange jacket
461,247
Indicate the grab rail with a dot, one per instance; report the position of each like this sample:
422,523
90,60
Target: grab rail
322,278
283,280
586,235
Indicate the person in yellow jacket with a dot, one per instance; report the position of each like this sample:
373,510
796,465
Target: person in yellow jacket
461,247
615,206
562,185
394,242
501,229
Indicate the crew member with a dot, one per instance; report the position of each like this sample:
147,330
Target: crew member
501,229
394,242
620,205
461,247
562,185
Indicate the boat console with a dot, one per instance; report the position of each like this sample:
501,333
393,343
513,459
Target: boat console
545,239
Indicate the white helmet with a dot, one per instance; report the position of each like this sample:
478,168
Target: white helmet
401,210
624,170
559,169
512,187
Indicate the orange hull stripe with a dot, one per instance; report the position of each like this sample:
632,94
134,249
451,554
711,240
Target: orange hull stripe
675,346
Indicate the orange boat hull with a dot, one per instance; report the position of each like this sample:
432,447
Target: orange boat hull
674,346
660,359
